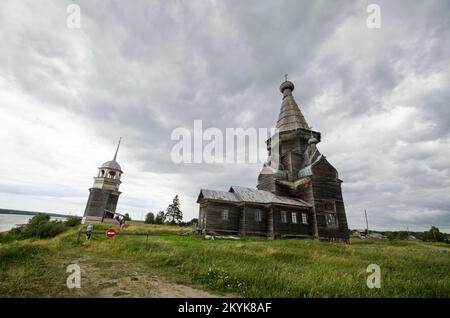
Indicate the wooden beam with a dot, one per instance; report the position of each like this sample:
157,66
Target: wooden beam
315,226
270,224
242,221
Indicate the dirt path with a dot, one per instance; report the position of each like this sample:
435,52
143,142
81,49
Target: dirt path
119,279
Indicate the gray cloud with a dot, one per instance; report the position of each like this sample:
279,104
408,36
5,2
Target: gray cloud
140,69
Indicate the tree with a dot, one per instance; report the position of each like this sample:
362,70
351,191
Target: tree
434,235
126,217
160,217
150,218
173,212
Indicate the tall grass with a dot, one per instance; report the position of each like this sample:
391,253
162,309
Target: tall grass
257,267
251,267
29,270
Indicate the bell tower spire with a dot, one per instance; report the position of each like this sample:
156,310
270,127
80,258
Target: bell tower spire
117,150
290,117
292,148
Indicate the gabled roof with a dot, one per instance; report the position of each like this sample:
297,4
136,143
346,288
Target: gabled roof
307,171
261,196
239,194
217,195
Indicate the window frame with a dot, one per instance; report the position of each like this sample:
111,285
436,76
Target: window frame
294,217
304,218
258,215
327,202
283,215
225,214
335,224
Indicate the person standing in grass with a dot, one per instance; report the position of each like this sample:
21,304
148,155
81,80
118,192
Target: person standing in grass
89,229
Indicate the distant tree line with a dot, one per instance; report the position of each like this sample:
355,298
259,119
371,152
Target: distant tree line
432,235
160,218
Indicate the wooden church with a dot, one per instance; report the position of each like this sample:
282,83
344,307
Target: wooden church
298,193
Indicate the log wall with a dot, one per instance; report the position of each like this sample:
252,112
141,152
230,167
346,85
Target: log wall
326,188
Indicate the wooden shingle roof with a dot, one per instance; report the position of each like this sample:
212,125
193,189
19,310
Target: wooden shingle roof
290,117
260,196
217,195
238,194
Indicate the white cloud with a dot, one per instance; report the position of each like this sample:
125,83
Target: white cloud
139,70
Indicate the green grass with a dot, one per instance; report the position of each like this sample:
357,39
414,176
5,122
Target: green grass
252,267
26,271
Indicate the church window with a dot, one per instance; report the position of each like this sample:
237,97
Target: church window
304,218
329,206
258,216
225,214
294,218
203,212
283,217
331,219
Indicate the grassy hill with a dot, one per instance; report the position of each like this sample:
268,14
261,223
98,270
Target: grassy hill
251,267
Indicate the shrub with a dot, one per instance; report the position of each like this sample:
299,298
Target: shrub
390,236
73,221
33,226
50,229
39,218
39,226
10,236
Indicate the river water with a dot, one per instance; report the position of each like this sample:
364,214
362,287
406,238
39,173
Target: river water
9,221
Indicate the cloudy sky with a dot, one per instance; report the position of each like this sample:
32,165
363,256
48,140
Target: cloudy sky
140,69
